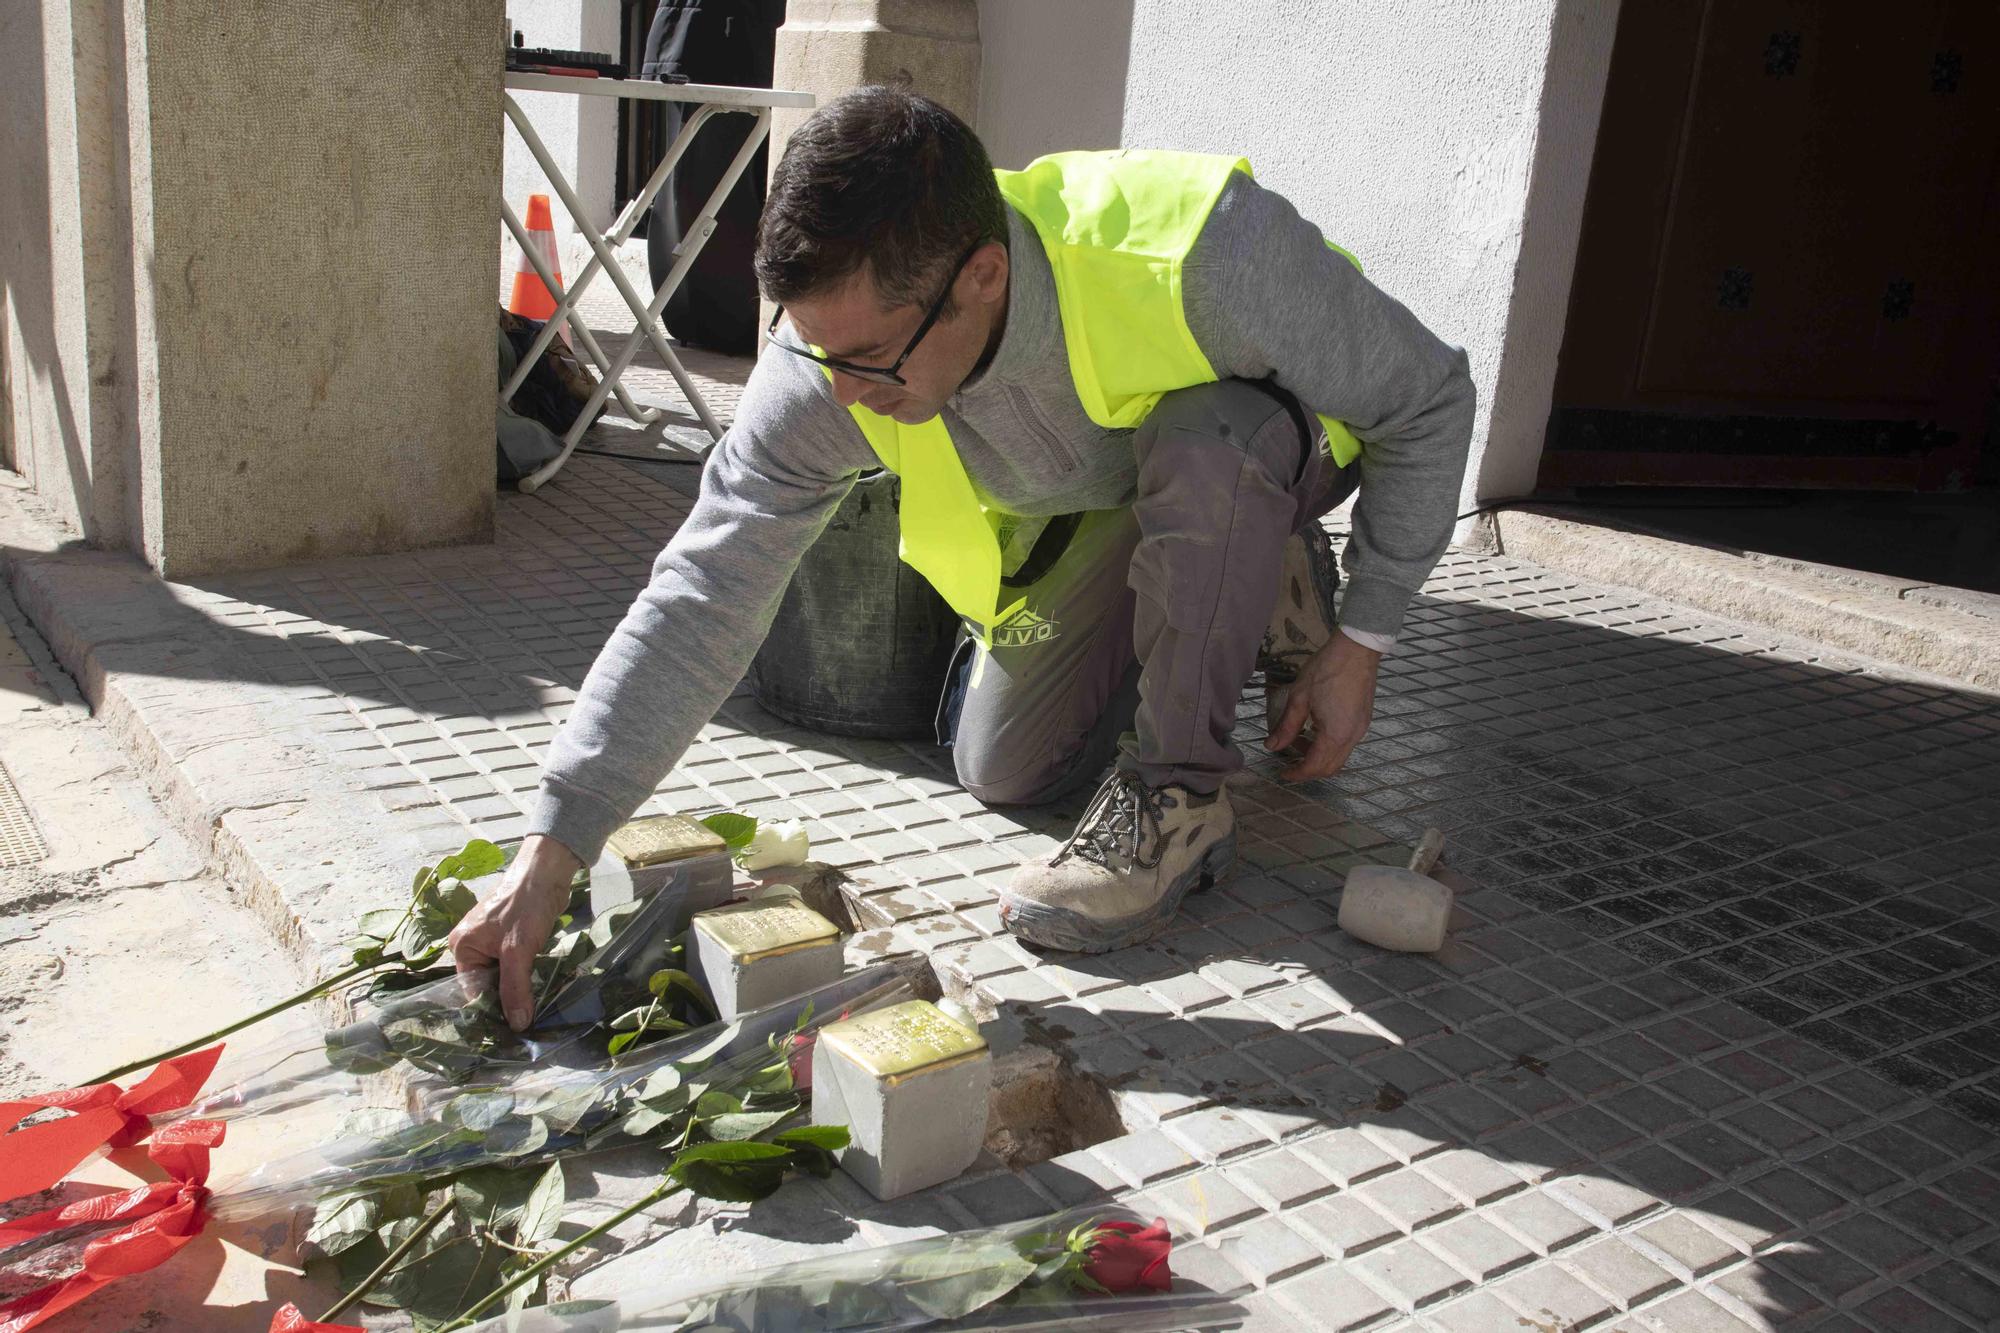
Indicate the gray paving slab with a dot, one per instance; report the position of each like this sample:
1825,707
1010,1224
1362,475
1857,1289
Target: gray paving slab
1714,1046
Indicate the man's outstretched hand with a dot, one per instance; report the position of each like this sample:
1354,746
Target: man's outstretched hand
510,927
1336,693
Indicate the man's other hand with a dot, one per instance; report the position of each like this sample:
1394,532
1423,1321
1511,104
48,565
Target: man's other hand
508,928
1336,693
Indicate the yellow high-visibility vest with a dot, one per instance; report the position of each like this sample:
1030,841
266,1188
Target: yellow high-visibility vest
1117,226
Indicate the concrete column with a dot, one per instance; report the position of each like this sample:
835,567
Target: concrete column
829,46
67,364
314,188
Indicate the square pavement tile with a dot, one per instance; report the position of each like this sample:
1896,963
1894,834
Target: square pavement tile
1406,1198
1344,1226
1619,1271
1268,1251
1692,1312
1416,1277
1544,1292
1327,1297
1477,1248
1541,1220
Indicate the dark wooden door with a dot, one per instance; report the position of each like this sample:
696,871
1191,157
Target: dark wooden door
1786,274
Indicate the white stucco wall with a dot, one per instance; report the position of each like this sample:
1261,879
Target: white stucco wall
1051,76
1413,131
66,265
581,132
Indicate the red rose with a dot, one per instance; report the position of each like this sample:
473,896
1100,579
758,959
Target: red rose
800,1056
292,1320
1128,1257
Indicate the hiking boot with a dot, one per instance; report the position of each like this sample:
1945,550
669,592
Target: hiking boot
1136,853
1303,620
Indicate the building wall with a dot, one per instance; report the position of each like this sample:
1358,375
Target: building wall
317,205
1445,142
66,262
581,133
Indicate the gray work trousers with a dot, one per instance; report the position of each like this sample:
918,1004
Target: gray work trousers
1137,640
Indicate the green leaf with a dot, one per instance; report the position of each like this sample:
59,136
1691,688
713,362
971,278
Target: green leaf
832,1138
380,923
813,1147
564,1111
356,1262
745,1125
856,1305
621,1041
735,830
642,1120
478,1110
608,923
449,1273
418,939
711,1104
671,978
660,1083
542,1213
734,1172
494,1196
454,900
476,859
343,1221
951,1284
518,1137
359,1048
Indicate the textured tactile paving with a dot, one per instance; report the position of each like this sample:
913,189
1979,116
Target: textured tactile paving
1714,1043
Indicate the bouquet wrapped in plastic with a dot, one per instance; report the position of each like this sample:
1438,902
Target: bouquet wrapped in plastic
1089,1265
445,1203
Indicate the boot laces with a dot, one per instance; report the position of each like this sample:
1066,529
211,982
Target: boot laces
1121,821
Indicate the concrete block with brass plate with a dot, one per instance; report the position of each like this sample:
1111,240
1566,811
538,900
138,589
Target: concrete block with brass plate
752,954
911,1084
661,851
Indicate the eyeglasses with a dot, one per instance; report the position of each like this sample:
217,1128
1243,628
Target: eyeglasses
890,374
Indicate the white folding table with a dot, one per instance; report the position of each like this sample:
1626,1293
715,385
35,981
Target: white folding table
709,101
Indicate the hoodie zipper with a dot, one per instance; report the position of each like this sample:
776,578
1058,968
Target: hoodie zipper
1064,455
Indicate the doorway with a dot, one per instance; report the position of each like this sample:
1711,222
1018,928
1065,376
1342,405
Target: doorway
1786,276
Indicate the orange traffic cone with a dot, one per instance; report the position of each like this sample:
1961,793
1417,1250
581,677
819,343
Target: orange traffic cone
531,297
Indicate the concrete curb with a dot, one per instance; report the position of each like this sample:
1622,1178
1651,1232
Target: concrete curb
231,759
1895,621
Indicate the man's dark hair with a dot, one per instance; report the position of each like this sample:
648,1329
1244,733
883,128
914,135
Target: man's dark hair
878,176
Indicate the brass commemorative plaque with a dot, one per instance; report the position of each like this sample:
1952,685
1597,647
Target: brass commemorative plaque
755,931
660,838
903,1040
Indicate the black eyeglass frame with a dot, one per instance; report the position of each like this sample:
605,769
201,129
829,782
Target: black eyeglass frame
890,374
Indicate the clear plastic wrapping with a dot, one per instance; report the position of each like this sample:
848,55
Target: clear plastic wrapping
565,1097
1038,1275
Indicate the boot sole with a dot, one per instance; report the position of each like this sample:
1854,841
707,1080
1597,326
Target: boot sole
1324,578
1057,928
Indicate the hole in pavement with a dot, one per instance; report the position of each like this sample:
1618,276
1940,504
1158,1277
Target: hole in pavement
1042,1105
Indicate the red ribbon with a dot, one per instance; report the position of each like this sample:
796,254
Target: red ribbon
160,1218
291,1319
37,1157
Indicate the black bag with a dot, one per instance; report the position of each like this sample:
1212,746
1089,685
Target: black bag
729,42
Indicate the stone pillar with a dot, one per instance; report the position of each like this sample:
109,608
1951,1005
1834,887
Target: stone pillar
314,189
829,46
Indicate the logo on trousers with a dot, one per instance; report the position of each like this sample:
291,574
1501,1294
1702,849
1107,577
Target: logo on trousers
1024,628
